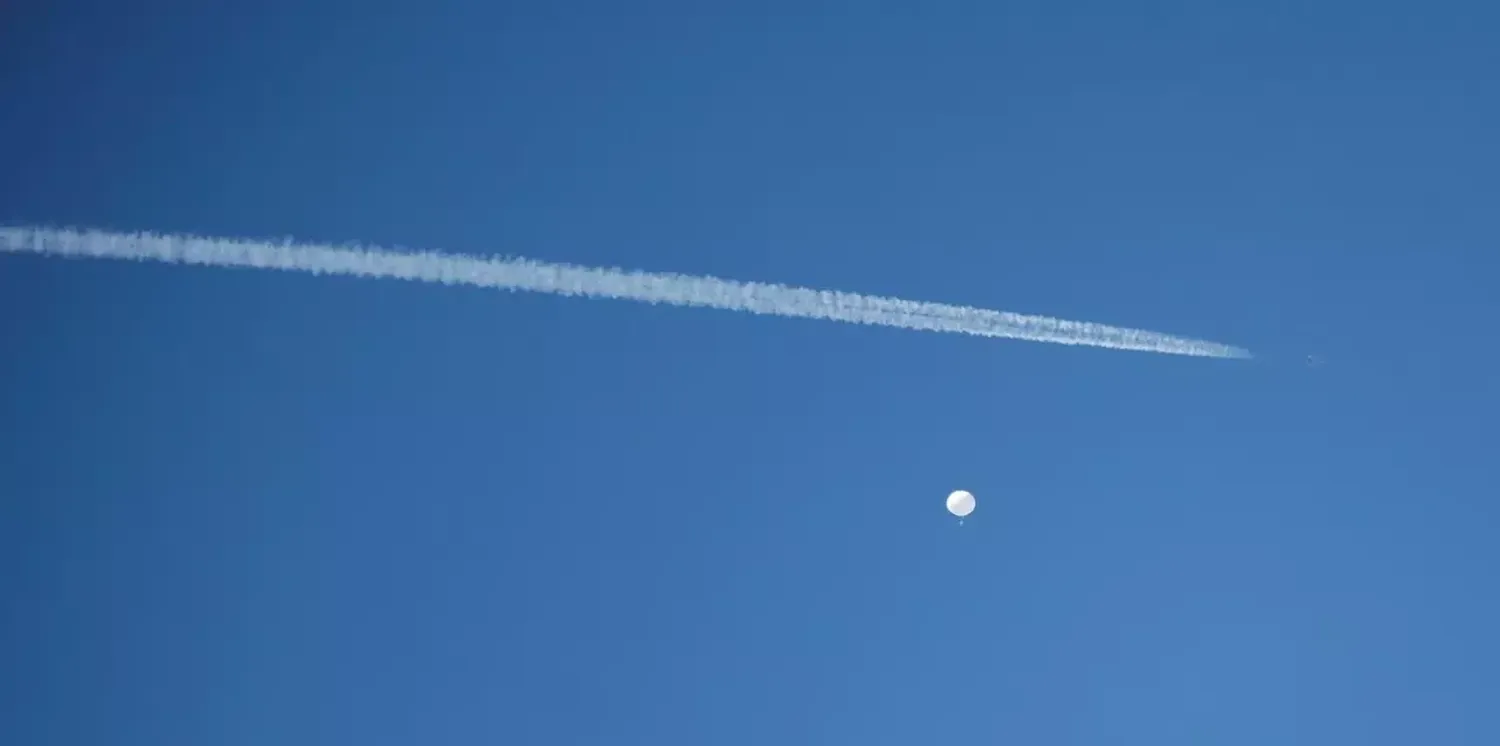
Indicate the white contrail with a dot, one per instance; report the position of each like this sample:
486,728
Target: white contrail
566,279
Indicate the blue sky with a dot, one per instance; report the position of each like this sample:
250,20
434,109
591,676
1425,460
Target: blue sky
254,508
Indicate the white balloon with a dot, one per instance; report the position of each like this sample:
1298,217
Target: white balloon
961,503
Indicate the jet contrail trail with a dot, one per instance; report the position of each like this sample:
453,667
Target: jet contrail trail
597,282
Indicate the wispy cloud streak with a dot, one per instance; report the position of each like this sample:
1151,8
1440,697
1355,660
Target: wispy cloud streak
597,282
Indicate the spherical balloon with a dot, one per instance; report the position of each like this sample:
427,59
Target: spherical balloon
961,503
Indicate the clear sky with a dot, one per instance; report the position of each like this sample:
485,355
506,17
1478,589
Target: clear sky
258,508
